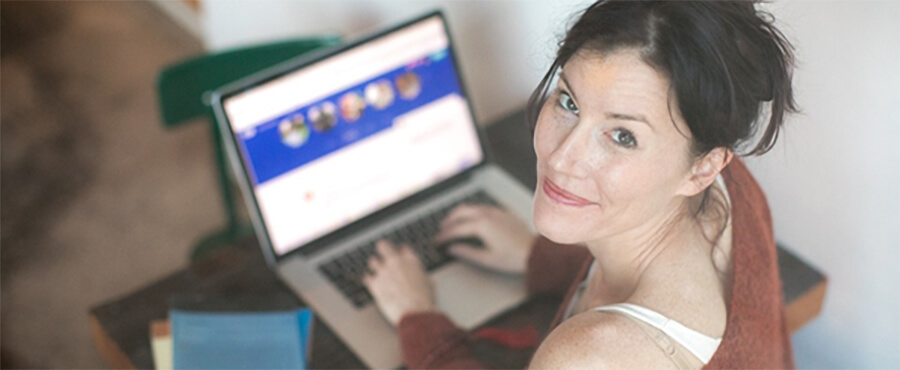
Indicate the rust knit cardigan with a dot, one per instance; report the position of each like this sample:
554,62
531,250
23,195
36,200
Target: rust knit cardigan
755,334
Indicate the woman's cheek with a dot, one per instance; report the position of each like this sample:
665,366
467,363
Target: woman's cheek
548,133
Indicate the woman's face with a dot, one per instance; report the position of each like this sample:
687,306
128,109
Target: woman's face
609,159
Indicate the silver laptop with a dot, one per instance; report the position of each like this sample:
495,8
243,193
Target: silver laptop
375,139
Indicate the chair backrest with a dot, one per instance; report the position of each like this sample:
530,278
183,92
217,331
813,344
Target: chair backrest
181,87
182,90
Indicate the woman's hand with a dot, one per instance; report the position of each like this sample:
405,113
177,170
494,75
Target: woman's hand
506,238
398,282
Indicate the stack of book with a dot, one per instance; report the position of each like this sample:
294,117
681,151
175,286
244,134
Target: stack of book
263,332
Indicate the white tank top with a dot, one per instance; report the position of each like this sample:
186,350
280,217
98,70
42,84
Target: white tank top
701,345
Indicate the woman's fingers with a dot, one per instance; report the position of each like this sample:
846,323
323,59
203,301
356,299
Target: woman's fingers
374,264
458,230
467,252
385,249
399,283
384,253
406,252
464,212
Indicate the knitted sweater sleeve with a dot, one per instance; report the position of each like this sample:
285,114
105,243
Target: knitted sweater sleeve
430,340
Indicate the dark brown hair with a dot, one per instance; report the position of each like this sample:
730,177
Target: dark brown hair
725,60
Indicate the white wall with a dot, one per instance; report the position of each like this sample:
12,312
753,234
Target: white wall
833,180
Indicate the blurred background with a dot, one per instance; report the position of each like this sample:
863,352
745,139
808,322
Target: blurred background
98,200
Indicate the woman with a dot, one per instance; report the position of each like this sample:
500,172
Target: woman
661,239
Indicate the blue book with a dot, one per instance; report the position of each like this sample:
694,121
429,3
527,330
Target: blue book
259,339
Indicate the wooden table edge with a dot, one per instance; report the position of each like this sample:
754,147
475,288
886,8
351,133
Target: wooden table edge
806,307
108,347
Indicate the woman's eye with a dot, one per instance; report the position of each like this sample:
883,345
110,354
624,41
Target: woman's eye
566,102
624,138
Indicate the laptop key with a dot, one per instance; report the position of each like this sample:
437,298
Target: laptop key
361,298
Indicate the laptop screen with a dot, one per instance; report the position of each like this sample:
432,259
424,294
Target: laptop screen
345,136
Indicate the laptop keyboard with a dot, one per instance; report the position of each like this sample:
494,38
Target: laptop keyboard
346,271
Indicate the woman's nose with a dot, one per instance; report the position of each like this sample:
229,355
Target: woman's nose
570,156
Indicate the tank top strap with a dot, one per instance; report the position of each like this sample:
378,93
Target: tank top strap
697,343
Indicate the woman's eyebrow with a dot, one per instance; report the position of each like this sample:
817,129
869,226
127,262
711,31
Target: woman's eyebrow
608,115
628,117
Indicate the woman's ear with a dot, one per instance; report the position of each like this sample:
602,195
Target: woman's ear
706,169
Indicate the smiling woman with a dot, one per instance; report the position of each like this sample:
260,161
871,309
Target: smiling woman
660,238
591,146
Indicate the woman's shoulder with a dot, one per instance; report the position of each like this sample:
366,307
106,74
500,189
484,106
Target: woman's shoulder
599,340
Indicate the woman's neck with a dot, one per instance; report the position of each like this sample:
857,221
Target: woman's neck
622,260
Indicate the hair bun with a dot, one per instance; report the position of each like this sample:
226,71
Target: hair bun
760,83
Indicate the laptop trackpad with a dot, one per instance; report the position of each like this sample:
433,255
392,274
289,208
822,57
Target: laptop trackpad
471,296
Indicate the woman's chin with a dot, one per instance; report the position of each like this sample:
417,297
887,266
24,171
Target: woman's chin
556,231
560,239
558,223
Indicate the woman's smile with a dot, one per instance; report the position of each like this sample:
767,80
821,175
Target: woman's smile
560,196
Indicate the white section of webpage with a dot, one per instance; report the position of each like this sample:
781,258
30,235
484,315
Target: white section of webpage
423,147
334,74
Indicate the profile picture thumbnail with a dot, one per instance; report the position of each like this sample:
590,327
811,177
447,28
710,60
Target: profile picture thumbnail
352,106
379,94
409,85
294,131
323,117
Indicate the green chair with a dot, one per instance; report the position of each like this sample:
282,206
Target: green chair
183,90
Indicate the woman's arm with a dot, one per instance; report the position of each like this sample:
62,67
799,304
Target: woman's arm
430,340
403,292
405,296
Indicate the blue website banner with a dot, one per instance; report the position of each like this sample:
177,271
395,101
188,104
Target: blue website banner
308,133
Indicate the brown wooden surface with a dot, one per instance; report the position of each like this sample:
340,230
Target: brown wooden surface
121,326
108,347
805,308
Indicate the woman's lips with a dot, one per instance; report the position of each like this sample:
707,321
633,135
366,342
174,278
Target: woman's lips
559,195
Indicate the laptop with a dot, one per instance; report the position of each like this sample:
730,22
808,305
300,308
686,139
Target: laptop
372,140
